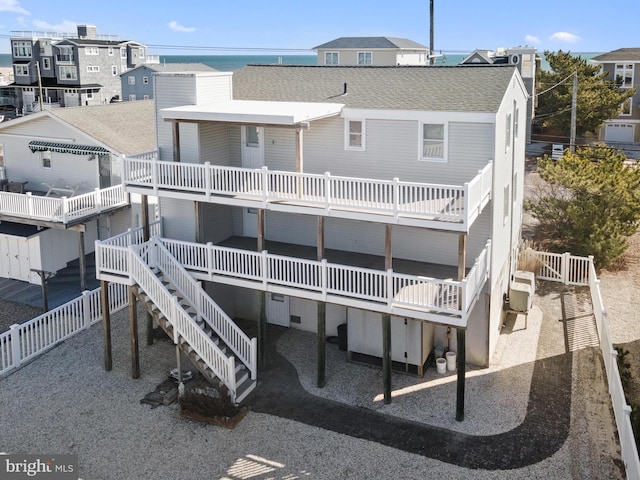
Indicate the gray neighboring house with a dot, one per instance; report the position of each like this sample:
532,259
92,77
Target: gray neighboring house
620,66
372,51
66,70
525,59
137,83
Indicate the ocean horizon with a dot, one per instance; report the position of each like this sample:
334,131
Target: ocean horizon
229,63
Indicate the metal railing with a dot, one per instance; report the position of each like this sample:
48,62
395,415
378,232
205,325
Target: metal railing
450,203
65,209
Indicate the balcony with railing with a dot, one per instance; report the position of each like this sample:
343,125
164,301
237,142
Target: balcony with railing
334,280
448,207
29,207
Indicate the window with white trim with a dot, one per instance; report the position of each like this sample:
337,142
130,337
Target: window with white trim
354,134
145,80
624,75
91,51
132,97
506,203
46,64
364,58
131,80
432,139
145,97
89,94
111,51
626,108
331,58
22,49
68,72
45,156
507,132
123,53
93,68
114,70
22,70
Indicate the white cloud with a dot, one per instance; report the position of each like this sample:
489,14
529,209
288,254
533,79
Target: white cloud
565,37
12,6
176,27
530,39
66,26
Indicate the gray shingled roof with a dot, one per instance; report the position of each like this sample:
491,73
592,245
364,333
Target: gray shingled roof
459,88
180,67
620,55
125,127
370,42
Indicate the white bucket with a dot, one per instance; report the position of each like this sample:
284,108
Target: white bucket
451,361
441,365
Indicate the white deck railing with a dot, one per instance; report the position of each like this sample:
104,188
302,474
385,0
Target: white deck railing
245,348
572,270
395,198
183,325
23,342
63,210
316,279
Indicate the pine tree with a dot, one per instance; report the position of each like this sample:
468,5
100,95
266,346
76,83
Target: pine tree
589,203
598,99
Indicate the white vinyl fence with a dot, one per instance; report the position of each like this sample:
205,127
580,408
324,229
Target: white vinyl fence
572,270
23,342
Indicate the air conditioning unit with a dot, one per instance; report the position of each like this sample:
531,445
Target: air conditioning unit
514,59
520,297
526,278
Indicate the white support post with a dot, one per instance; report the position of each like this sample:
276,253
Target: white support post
30,204
86,309
324,278
265,269
154,177
210,260
389,287
254,358
396,197
327,191
207,179
65,209
16,358
265,185
98,200
565,268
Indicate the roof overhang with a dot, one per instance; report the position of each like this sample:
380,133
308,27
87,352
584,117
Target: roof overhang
254,112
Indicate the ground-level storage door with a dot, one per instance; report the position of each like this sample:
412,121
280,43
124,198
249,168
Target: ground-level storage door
278,309
14,258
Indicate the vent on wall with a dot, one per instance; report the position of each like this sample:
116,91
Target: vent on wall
295,319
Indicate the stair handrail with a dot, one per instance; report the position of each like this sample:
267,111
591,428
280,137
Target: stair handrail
226,329
223,366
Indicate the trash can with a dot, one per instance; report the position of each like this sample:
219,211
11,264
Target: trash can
342,337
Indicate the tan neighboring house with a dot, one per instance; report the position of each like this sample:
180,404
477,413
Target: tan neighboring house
620,66
61,187
372,51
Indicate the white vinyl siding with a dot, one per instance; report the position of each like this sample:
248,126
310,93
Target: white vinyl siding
183,224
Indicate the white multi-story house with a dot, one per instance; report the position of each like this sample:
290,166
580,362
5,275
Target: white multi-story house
61,184
388,199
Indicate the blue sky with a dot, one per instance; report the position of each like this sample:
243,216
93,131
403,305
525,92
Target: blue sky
285,26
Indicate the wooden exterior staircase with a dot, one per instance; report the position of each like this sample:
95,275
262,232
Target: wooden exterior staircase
209,338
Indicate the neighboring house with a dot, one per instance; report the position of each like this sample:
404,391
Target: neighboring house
525,59
58,69
62,183
621,66
386,199
371,51
137,83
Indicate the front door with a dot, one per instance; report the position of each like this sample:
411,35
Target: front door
278,309
104,170
252,157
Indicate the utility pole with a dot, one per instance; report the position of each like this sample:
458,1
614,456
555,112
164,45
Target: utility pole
39,83
574,111
431,46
